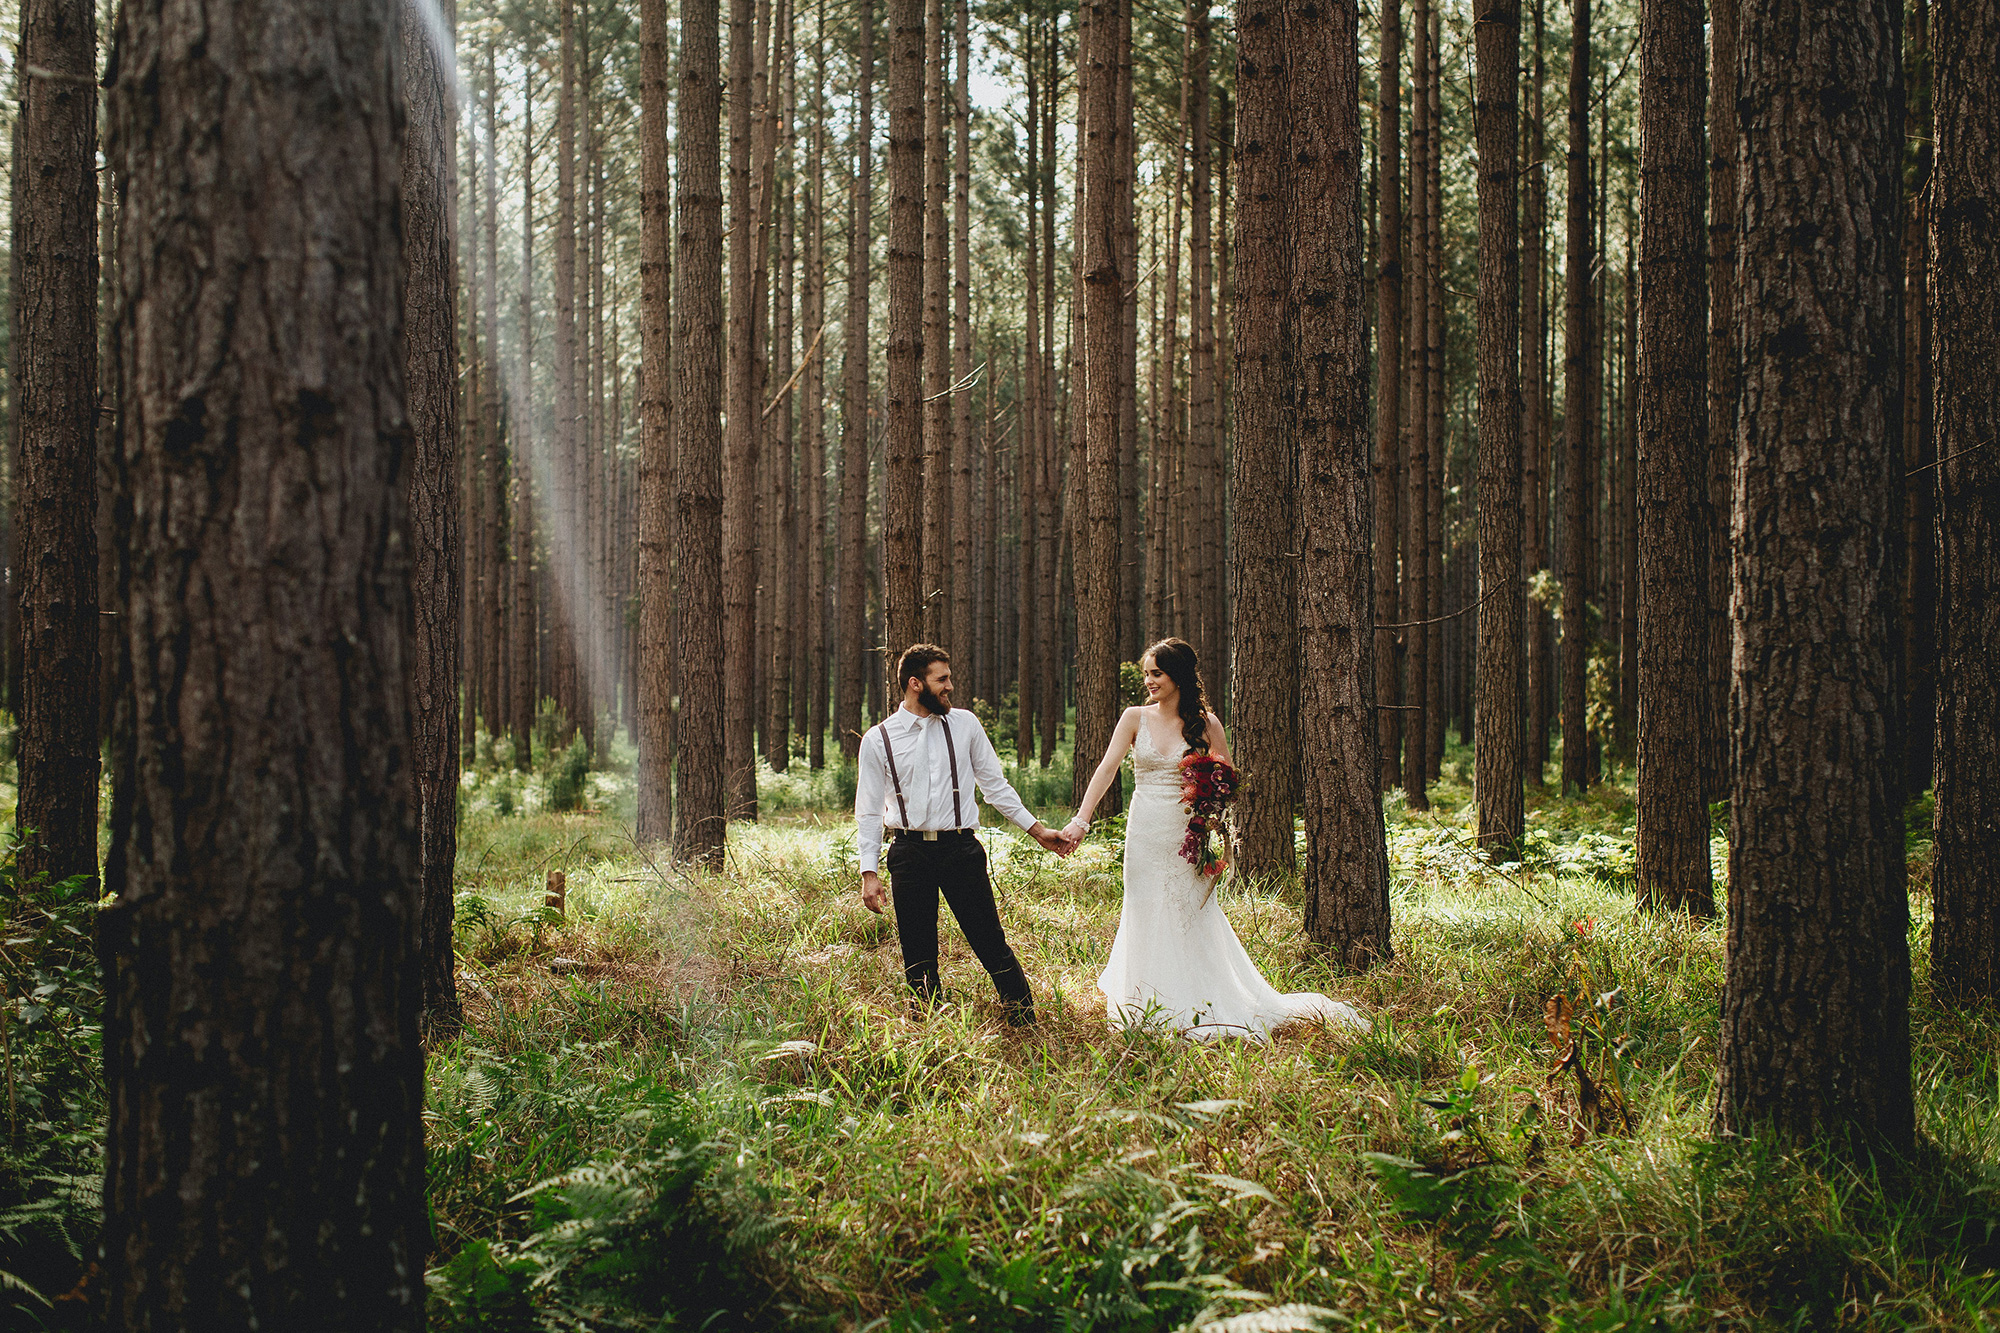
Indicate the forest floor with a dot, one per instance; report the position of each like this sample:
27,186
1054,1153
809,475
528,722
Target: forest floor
697,1092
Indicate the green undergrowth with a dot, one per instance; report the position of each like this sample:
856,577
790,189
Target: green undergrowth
698,1099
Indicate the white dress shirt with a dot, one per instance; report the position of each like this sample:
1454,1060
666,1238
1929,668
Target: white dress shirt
923,762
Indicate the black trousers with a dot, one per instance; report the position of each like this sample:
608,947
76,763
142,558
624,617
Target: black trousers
956,867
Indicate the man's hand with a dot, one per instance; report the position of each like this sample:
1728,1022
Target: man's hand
873,896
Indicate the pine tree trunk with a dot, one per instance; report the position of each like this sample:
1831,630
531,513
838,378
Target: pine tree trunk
937,590
1049,516
656,656
1263,573
1417,452
902,537
1202,507
1497,727
851,585
1102,318
1389,344
699,791
525,673
565,549
818,520
1028,458
964,595
1964,292
1440,445
1722,383
494,667
1671,485
1815,1013
55,383
1347,868
262,1061
1919,610
1576,407
1535,453
430,332
1129,544
781,586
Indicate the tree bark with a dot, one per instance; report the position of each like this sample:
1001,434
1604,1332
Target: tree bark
1535,452
1672,537
902,536
566,547
430,332
1919,610
1440,444
1576,408
264,1163
1102,318
699,793
1723,144
964,599
656,655
55,368
1389,352
494,544
1965,304
1815,1013
1347,867
1207,626
1497,727
1028,458
851,586
937,590
1417,451
780,578
525,674
1263,574
819,529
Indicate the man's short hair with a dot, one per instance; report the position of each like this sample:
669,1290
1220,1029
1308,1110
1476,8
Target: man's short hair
917,661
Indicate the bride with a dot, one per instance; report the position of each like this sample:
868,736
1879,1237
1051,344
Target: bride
1176,961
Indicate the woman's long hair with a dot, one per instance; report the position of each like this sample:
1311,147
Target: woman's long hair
1176,658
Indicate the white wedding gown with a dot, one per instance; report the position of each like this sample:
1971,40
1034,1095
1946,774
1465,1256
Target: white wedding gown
1177,962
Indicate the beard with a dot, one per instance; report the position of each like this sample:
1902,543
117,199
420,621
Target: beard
932,703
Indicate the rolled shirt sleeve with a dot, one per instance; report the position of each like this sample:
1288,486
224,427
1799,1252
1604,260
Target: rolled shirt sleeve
870,788
992,780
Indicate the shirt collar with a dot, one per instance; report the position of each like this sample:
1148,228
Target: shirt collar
916,721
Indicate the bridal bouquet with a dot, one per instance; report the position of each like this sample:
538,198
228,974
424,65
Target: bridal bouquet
1208,785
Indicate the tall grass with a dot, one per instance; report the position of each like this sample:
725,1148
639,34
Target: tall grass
956,1172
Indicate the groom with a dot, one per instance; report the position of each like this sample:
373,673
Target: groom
919,769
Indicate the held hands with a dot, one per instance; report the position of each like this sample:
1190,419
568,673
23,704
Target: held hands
1059,843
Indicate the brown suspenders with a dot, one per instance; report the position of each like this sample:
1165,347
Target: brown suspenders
951,754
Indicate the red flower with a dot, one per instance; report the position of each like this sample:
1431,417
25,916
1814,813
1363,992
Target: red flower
1208,785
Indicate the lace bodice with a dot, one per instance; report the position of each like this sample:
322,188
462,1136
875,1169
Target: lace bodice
1152,772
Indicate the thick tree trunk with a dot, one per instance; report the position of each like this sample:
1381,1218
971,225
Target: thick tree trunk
1672,481
1576,493
566,547
264,1164
851,659
902,537
499,444
1497,728
1102,317
1389,352
742,452
54,363
1347,868
699,793
1129,543
1815,1013
1965,303
1722,383
1263,571
656,655
780,579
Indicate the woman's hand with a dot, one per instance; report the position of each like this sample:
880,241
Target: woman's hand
1075,831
